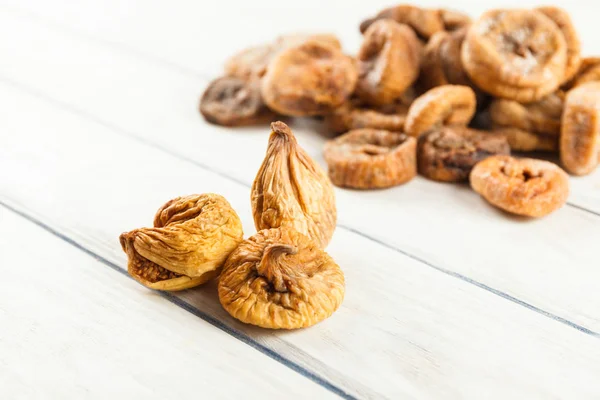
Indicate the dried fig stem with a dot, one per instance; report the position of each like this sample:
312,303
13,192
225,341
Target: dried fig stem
273,266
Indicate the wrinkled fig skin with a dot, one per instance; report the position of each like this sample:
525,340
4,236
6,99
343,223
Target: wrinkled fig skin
191,238
388,62
520,140
515,54
449,154
440,106
252,63
292,191
231,101
311,79
280,279
580,131
528,187
562,19
425,22
356,116
589,71
371,159
541,117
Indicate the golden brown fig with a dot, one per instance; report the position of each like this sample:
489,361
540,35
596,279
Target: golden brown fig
580,131
515,54
521,140
443,105
563,20
542,117
252,63
313,78
525,186
191,238
292,191
448,154
589,71
425,22
231,101
371,159
353,115
454,20
281,279
388,62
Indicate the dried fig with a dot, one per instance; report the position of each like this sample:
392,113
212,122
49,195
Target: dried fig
443,105
541,117
432,70
231,101
251,63
371,159
448,154
580,131
191,238
355,116
424,22
589,71
280,279
292,191
525,186
310,79
515,54
388,62
520,140
561,18
454,20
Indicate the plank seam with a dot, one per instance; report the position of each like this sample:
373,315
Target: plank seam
122,132
191,309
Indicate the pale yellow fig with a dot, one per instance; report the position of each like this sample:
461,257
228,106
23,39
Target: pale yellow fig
280,279
292,191
191,239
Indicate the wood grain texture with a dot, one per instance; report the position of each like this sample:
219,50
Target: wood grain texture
473,241
403,331
73,328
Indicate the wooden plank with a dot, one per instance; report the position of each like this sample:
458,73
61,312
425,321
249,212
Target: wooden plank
403,331
548,264
72,328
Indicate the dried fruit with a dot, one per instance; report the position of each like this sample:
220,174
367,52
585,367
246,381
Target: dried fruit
448,154
580,131
520,140
280,279
525,186
443,105
388,62
252,63
292,191
561,18
542,116
454,20
191,238
371,159
515,54
589,71
232,101
425,22
442,64
353,115
310,79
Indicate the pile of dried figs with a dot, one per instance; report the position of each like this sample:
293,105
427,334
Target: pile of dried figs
280,278
431,91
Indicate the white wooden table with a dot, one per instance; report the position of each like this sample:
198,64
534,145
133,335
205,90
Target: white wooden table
446,297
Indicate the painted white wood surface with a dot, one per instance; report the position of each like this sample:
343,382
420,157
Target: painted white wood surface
74,329
549,263
404,330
